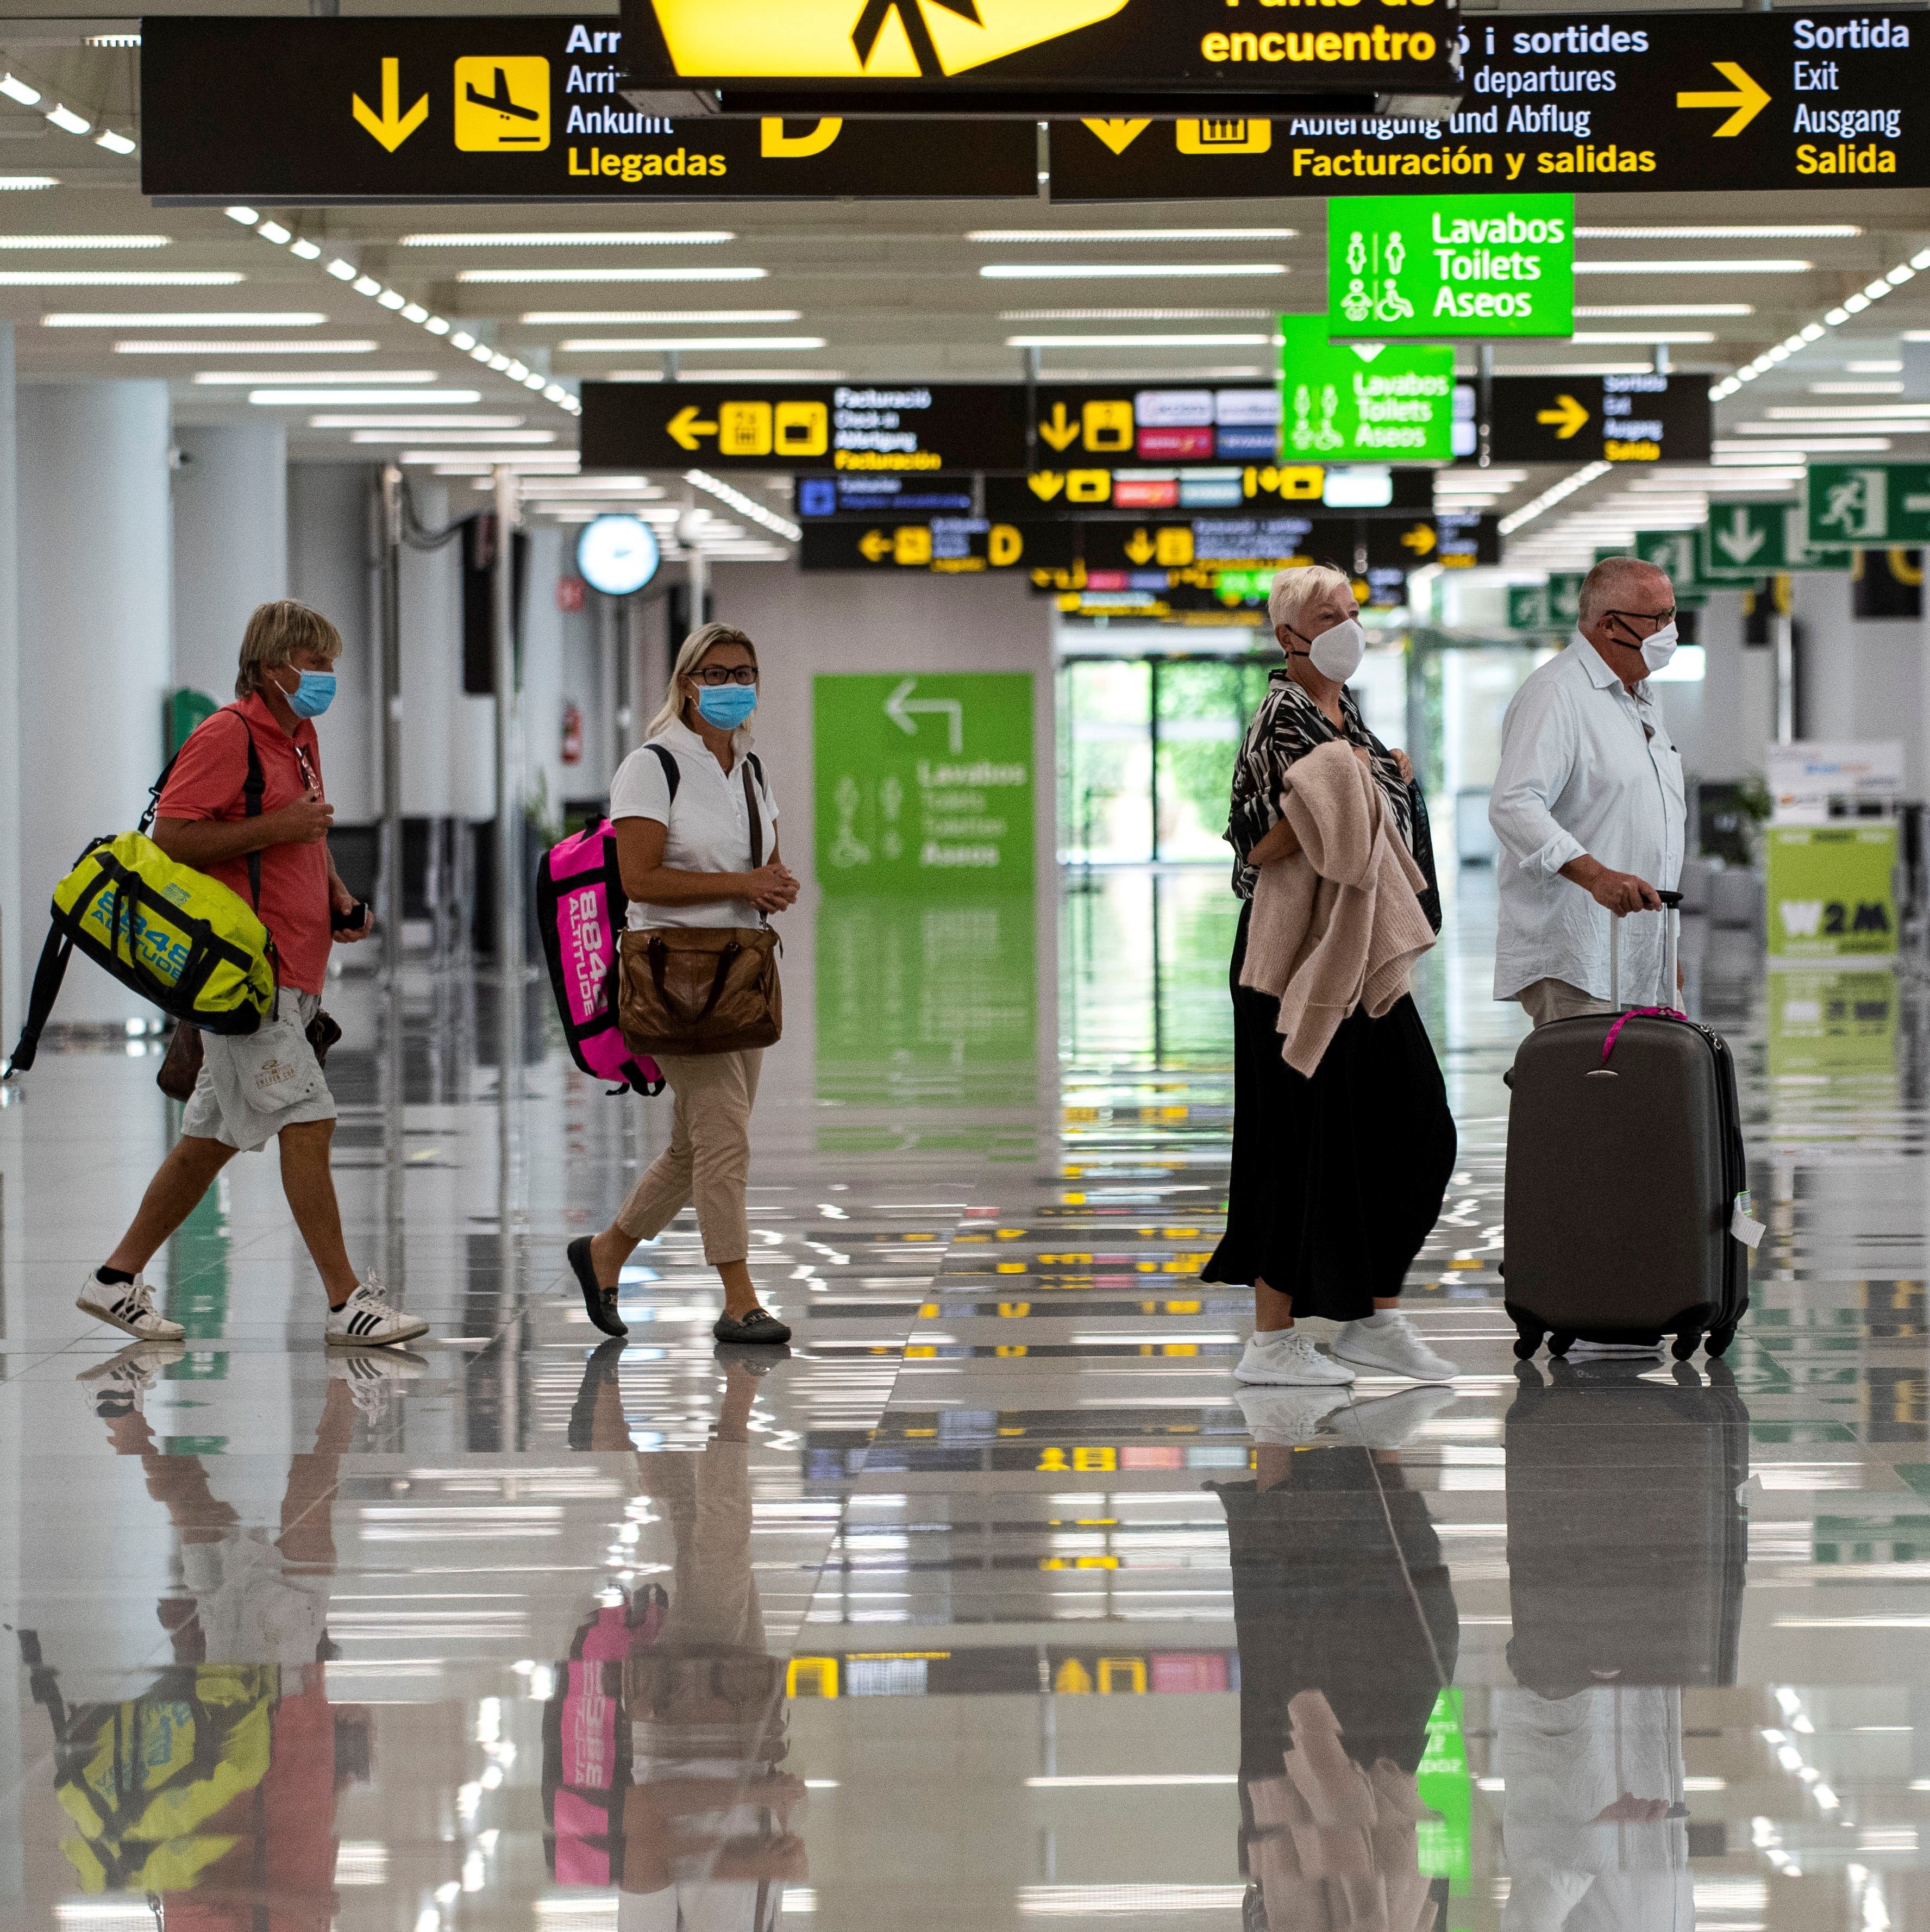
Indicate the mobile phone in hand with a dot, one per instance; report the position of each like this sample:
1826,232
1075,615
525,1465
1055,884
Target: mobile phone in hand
353,920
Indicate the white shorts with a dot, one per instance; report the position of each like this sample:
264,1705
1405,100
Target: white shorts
252,1086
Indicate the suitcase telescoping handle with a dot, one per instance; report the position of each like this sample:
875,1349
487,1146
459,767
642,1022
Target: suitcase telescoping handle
1671,915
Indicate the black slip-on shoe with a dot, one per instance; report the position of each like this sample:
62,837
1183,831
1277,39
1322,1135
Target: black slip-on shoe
599,1301
758,1326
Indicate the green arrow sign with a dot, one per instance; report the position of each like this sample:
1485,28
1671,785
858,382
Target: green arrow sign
1405,266
1368,401
1876,504
1749,539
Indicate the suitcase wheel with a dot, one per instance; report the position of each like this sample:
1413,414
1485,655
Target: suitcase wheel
1686,1345
1528,1340
1718,1343
1559,1345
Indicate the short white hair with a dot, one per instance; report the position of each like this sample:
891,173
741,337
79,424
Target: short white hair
1614,577
1294,589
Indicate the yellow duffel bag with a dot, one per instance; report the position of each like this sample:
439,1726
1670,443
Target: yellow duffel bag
170,933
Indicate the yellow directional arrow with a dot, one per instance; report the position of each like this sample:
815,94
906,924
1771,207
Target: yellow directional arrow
874,546
394,126
1059,432
683,429
1420,539
1119,135
1140,547
1568,415
1748,99
1045,485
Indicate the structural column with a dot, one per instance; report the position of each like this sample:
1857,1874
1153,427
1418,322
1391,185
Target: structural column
96,582
230,545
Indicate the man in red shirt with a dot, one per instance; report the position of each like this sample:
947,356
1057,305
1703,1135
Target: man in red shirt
268,1083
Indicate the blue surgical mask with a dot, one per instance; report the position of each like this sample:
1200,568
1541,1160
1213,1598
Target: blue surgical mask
313,695
726,705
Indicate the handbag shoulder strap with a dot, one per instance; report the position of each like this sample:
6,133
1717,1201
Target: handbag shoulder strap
757,817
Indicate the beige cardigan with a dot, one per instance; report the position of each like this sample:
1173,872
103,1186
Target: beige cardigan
1337,925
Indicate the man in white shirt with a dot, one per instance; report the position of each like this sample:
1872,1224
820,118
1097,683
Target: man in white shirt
1588,804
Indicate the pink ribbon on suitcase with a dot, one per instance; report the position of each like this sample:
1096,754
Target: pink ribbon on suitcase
1637,1012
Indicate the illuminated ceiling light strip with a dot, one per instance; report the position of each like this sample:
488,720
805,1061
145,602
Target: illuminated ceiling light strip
414,422
745,506
209,318
123,278
499,276
1027,271
509,458
1139,341
115,144
17,89
503,438
1139,315
68,121
1606,312
1762,265
1004,235
111,40
20,181
1556,492
634,345
191,348
1599,336
1814,331
562,237
312,398
1822,231
216,379
19,241
630,318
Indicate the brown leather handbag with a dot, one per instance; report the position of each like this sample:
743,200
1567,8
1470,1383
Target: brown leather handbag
702,989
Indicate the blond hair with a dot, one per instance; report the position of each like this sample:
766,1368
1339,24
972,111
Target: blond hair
1292,590
691,654
275,633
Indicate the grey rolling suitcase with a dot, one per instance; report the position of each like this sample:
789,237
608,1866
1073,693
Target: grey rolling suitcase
1627,1207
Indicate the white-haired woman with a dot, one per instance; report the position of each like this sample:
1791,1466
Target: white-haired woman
684,842
1337,1177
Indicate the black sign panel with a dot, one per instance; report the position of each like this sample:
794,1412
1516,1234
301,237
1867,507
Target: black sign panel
510,108
941,546
1082,495
1601,418
1067,56
1653,103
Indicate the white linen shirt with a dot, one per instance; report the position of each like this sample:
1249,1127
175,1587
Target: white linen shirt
708,826
1578,775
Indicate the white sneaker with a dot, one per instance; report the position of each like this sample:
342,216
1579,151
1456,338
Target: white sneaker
1601,1351
366,1320
119,1385
129,1307
1288,1417
1390,1422
1285,1355
371,1377
1390,1341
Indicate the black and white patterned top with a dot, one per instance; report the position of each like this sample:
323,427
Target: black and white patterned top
1287,726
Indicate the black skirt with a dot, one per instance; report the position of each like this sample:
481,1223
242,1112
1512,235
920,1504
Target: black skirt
1337,1178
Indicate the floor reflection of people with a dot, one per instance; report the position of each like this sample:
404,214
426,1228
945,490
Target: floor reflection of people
662,1745
1347,1632
1627,1547
225,1810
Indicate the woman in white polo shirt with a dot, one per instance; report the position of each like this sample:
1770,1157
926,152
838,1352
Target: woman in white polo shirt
686,854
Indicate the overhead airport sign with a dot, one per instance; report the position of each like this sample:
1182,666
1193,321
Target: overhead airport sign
1401,267
920,428
1649,103
1030,57
817,498
1362,489
1601,419
1746,540
1869,504
940,546
499,108
1362,401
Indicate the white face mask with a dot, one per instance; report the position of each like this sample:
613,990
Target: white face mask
1658,649
1336,653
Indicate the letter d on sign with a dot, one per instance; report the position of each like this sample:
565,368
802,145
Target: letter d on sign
777,145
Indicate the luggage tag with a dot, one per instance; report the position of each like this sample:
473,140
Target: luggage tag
1743,1224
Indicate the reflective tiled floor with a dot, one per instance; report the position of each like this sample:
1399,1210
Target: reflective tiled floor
991,1604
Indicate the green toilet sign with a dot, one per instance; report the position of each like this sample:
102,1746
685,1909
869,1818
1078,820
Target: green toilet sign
1457,266
1370,402
924,783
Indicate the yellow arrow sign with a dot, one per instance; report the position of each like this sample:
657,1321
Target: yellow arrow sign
1420,539
1045,485
1119,135
1140,547
1059,432
394,128
1748,99
874,546
683,428
1567,416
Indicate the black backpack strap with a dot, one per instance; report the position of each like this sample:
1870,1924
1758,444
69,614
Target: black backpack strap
253,787
667,759
47,976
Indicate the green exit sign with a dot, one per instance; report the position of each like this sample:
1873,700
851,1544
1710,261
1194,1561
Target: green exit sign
1409,266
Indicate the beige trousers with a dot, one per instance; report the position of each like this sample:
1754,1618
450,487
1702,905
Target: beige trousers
708,1158
1548,999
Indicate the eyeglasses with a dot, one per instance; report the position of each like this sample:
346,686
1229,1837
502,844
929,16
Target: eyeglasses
1657,618
714,675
